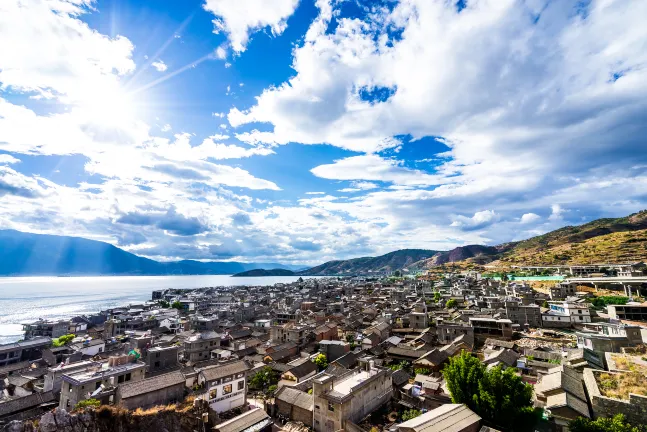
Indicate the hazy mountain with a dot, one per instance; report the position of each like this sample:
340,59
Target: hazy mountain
25,254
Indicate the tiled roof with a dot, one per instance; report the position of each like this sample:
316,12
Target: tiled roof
217,372
148,385
244,421
295,397
24,403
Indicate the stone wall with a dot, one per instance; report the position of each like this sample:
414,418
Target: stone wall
634,409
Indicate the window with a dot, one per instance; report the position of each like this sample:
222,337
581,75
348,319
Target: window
157,355
157,364
213,393
331,407
127,377
317,407
96,386
241,385
120,379
226,389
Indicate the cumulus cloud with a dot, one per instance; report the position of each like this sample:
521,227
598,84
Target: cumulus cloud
480,219
160,66
529,218
8,159
240,18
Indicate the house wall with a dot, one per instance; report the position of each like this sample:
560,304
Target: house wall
219,399
634,409
294,412
159,397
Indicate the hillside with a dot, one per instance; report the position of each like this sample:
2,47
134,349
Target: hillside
470,253
392,261
263,272
602,240
25,254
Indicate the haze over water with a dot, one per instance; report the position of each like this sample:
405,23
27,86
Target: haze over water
24,299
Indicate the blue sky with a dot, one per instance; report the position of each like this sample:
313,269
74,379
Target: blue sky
306,130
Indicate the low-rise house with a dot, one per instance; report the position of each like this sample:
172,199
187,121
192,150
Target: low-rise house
350,397
26,407
54,376
255,420
333,349
99,383
50,329
89,347
162,359
566,314
630,311
446,418
226,385
17,352
159,390
562,394
294,404
486,327
432,360
300,372
198,347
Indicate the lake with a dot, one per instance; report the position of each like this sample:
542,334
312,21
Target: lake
24,299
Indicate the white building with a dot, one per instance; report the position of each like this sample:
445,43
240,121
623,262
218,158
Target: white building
89,347
565,314
226,385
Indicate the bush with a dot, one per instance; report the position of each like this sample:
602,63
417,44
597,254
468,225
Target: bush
410,414
451,303
321,361
616,423
63,340
88,403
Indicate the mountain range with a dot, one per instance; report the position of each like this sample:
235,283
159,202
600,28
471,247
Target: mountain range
603,240
26,254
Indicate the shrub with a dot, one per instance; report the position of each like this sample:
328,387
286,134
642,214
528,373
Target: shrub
88,403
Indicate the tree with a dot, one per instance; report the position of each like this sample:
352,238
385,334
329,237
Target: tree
164,304
410,414
177,305
498,396
321,361
616,423
63,340
451,303
436,296
263,378
350,338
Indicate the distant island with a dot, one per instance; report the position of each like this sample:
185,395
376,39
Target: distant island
263,272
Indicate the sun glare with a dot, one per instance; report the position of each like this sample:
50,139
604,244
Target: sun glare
109,105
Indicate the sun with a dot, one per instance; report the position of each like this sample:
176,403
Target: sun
109,105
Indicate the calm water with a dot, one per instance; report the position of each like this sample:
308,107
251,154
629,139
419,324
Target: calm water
29,298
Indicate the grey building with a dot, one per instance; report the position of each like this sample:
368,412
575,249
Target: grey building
42,328
160,390
350,397
523,314
23,351
160,359
199,347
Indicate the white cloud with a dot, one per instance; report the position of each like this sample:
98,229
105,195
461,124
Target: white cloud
221,52
373,167
166,128
240,18
315,193
160,66
8,159
480,219
46,49
529,218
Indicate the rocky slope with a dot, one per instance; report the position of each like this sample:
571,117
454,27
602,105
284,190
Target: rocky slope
108,419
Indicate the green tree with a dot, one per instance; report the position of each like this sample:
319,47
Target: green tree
263,378
451,303
177,305
88,403
350,338
498,396
397,366
436,296
164,303
616,423
321,361
410,414
63,340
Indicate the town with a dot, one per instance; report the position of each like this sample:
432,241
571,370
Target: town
354,353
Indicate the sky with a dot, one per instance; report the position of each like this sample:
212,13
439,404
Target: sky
300,131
